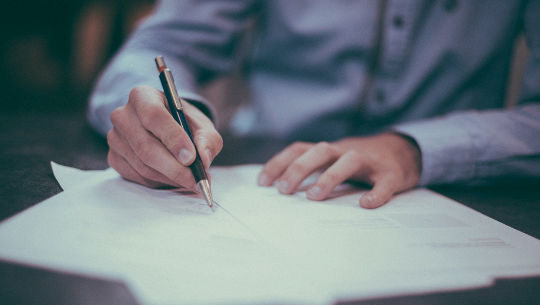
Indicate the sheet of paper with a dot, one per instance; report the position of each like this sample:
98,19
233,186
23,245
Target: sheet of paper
170,248
259,246
417,233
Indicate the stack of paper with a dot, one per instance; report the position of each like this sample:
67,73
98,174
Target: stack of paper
259,246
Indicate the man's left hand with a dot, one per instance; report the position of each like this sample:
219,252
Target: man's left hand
390,162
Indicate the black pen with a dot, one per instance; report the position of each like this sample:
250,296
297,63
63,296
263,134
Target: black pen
177,111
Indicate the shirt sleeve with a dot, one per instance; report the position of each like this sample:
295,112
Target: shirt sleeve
477,146
198,41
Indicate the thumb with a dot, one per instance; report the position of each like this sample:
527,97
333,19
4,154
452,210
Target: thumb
381,193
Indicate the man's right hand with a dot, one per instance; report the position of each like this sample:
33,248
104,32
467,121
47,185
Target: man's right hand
147,146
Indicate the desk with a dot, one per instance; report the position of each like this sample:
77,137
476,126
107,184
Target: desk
30,141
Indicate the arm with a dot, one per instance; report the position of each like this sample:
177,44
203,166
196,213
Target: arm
198,40
146,145
478,146
481,146
468,146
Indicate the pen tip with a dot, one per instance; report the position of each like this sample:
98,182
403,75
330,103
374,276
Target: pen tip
205,189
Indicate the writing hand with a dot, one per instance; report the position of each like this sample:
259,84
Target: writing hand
147,146
390,162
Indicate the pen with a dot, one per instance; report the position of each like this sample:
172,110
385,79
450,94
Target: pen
177,111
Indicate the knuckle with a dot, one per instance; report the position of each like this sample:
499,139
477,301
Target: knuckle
352,156
299,146
323,146
136,92
215,141
219,141
200,137
210,139
116,115
150,115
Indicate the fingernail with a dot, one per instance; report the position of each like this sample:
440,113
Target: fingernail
262,180
283,186
366,201
314,192
367,198
185,156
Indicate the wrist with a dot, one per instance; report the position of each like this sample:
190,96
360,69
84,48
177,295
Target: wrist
410,151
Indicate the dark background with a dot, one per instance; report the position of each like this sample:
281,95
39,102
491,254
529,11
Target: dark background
51,51
50,55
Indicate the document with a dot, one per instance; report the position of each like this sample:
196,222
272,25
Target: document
259,246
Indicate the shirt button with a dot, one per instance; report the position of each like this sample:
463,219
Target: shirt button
397,21
450,5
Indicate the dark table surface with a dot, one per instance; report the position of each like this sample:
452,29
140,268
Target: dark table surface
28,142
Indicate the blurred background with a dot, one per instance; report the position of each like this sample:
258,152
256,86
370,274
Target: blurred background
52,51
50,55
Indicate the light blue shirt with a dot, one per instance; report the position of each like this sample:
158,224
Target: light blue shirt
321,70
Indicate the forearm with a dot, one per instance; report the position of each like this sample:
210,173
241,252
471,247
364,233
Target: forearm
197,46
132,67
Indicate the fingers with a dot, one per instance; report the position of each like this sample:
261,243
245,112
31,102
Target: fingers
127,172
351,164
209,142
279,163
382,191
148,148
147,143
387,161
141,129
347,165
125,160
156,118
149,107
313,159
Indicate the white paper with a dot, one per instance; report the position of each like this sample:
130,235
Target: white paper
259,246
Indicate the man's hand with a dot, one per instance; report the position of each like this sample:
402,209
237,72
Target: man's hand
147,146
389,162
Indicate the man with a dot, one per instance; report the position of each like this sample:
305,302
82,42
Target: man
392,93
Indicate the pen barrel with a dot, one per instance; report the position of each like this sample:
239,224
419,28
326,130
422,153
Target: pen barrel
197,168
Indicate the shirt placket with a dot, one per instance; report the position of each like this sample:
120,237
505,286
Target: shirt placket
397,31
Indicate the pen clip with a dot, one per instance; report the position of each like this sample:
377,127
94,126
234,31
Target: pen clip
167,80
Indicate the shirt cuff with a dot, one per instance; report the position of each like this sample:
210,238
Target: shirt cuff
113,87
446,147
